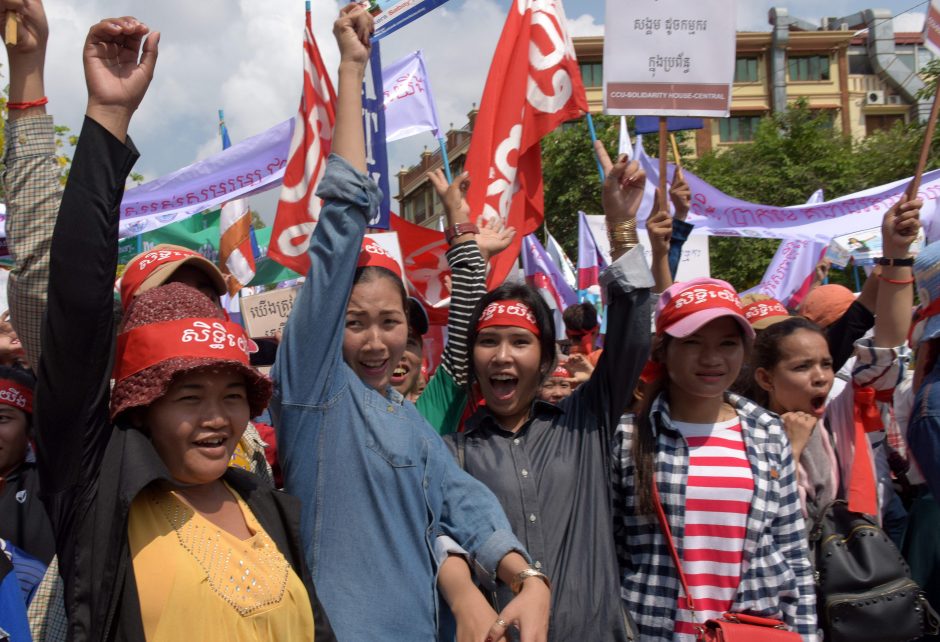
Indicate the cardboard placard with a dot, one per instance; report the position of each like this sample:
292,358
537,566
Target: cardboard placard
864,247
266,313
669,57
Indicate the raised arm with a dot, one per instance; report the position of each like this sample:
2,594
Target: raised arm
352,31
895,292
72,425
30,176
467,259
311,348
681,196
659,228
628,282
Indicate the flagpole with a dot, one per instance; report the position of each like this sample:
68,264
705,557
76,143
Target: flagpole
663,135
444,158
675,150
925,146
590,122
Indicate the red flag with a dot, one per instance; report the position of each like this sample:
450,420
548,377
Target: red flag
533,86
298,208
423,252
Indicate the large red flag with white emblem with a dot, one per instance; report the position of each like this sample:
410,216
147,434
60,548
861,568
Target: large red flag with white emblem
534,85
298,208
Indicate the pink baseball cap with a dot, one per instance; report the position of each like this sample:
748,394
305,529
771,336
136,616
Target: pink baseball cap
685,307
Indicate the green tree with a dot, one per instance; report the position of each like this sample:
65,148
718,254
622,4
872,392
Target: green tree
793,154
572,182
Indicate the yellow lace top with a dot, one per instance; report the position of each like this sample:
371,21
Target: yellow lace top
197,581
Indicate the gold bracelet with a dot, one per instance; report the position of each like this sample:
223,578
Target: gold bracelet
623,236
522,576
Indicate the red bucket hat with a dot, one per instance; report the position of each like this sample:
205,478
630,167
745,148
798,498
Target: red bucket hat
153,268
175,329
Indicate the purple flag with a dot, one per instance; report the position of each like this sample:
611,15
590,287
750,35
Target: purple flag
590,259
409,106
792,267
542,274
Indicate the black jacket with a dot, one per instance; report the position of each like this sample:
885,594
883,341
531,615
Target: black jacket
23,519
91,470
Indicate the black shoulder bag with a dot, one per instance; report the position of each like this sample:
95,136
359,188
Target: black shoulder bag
864,588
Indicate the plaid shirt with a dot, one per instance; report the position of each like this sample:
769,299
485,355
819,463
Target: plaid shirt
776,575
33,192
47,619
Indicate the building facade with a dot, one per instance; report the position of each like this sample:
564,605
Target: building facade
855,69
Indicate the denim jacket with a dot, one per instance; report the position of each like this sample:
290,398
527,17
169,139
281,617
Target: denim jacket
378,484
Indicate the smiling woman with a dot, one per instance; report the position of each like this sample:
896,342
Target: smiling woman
720,470
378,482
548,463
157,537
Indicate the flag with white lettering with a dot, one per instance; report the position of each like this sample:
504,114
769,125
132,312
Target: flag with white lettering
409,105
373,124
534,85
299,208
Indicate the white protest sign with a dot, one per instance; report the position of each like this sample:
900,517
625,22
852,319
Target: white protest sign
264,314
693,264
669,57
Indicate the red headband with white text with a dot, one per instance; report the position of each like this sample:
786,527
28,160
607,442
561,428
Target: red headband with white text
509,313
150,344
16,395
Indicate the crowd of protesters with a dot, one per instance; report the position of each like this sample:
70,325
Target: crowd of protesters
640,485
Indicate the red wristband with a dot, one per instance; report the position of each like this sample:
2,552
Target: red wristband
896,281
35,103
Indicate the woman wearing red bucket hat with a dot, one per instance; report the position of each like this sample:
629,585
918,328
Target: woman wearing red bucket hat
721,469
157,537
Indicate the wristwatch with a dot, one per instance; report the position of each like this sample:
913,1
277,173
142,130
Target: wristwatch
522,576
906,262
459,229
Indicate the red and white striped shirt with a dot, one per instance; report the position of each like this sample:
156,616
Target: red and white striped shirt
718,498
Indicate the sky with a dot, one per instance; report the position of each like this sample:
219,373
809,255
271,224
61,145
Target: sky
245,56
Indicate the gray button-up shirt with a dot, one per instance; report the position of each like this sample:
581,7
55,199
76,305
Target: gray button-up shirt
552,476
